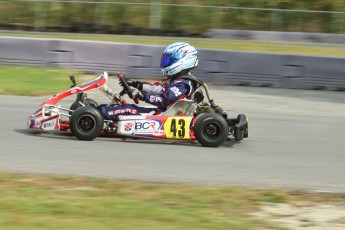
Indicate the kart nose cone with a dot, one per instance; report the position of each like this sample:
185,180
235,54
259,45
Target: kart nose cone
29,123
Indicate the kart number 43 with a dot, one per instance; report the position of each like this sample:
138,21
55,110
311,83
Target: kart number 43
177,127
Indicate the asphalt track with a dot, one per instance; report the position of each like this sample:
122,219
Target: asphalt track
296,141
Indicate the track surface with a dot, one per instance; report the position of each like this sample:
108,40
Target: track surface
296,140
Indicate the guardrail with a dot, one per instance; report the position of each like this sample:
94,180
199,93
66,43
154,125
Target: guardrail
142,61
276,36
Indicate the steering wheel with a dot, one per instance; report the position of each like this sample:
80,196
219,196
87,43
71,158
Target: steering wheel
125,86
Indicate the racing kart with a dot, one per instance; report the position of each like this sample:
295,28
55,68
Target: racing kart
186,119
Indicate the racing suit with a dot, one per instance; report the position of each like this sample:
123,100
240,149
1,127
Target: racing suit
161,95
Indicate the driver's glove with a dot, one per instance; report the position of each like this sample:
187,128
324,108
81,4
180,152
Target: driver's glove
135,84
134,93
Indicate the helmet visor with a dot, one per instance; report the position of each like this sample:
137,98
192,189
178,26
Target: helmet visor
167,59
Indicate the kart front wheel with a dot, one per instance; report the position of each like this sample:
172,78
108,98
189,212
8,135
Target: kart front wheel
86,123
211,129
76,105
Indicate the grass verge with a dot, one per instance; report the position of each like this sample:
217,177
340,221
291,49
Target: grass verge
61,202
33,81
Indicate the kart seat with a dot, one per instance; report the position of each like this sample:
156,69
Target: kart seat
187,106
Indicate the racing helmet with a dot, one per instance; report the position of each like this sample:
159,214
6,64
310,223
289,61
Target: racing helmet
178,57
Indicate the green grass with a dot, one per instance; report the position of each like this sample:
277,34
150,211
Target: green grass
62,202
317,49
19,80
42,202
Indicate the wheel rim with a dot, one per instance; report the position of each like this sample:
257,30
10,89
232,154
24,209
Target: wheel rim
211,130
86,123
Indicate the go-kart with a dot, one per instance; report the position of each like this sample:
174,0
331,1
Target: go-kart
186,119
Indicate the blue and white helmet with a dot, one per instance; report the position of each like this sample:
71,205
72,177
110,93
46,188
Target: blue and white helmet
177,57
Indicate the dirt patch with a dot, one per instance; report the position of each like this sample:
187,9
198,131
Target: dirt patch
305,215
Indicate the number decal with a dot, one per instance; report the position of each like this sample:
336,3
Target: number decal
173,127
177,127
182,130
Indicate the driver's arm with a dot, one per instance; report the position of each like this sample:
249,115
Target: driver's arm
168,95
155,88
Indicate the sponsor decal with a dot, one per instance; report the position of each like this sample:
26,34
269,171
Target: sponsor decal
125,127
158,133
38,123
176,91
148,127
128,127
122,111
131,117
73,91
49,125
139,125
155,98
28,123
152,98
151,127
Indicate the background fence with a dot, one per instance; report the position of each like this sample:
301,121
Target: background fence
142,61
184,19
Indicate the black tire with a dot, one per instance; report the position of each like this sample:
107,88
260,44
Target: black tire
86,123
211,129
76,105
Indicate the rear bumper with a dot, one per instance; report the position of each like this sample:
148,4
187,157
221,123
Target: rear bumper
241,127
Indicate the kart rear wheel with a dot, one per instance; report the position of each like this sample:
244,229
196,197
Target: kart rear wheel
86,123
211,129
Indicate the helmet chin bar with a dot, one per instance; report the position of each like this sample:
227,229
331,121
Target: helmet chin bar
167,76
184,72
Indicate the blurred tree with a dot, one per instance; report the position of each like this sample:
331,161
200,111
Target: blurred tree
115,14
179,17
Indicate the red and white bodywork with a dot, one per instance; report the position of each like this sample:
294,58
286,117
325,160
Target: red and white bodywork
48,116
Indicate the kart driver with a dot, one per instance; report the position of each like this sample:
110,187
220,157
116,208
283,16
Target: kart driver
176,62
